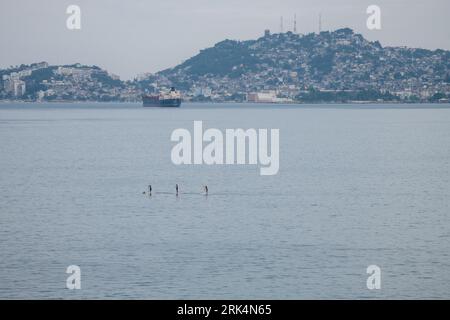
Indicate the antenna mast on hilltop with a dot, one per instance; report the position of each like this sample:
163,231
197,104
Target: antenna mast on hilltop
320,22
295,23
281,24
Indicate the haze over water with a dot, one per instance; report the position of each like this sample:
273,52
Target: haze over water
357,186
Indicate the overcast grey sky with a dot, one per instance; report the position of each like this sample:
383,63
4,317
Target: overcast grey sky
134,36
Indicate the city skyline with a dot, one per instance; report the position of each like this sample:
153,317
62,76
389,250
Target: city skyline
137,37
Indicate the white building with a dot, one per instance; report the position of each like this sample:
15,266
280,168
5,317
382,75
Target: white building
25,73
262,97
40,95
206,92
81,74
64,71
19,88
268,96
8,84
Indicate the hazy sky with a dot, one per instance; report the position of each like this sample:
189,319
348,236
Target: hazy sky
134,36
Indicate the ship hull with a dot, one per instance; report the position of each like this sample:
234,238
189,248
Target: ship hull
165,103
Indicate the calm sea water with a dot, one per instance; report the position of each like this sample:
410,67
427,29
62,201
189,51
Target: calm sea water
357,186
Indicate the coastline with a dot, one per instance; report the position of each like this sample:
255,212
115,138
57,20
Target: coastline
237,105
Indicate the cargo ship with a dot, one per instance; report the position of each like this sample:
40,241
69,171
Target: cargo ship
163,99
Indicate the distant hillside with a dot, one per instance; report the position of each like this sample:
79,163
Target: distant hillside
338,66
297,65
76,82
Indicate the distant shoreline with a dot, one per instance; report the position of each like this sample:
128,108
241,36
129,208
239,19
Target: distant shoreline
222,102
312,105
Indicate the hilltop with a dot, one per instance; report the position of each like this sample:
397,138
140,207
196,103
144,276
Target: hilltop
76,82
329,65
